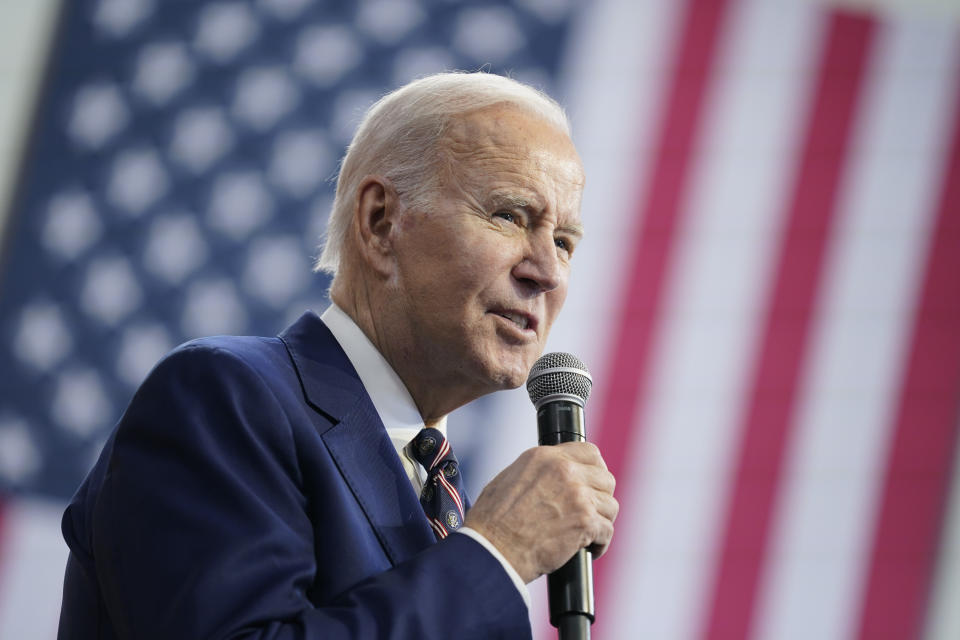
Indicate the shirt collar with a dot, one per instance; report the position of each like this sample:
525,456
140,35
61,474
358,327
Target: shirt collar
390,397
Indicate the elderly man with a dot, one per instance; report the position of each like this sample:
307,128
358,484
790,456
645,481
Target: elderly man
268,487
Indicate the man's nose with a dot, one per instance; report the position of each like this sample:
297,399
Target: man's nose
541,266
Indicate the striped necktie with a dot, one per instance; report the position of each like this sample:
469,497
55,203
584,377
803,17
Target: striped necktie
443,498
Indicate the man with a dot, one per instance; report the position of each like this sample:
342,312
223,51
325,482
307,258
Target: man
265,488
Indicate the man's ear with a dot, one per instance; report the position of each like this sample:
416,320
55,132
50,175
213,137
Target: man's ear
376,219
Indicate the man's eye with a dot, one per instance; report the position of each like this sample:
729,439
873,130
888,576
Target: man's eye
562,244
506,215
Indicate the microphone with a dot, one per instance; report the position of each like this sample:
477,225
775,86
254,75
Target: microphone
559,385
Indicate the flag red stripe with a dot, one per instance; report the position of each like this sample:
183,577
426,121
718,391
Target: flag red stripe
657,221
769,409
918,469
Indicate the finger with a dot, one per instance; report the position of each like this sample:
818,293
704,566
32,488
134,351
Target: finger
601,541
607,506
599,479
584,452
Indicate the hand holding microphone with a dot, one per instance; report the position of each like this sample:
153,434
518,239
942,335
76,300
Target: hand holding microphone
553,502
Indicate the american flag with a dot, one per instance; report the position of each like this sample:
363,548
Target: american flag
768,295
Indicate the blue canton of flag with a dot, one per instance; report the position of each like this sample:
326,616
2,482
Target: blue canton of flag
179,176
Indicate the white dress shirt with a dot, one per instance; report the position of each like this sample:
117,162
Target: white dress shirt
398,412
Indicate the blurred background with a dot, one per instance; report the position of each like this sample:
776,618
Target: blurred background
768,295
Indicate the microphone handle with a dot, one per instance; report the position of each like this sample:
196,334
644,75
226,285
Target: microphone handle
569,588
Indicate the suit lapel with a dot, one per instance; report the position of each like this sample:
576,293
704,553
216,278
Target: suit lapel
357,439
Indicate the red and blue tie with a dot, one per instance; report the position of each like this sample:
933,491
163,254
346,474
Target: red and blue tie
443,497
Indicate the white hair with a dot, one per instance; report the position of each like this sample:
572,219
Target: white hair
398,135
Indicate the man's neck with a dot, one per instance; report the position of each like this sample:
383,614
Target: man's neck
433,398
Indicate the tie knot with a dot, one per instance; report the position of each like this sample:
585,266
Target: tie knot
430,448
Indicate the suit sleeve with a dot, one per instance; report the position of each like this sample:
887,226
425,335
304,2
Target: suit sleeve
200,529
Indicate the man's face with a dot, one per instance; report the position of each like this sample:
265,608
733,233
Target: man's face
483,270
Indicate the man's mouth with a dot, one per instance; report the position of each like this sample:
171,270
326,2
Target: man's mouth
521,320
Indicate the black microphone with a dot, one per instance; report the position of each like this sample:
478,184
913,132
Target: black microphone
559,385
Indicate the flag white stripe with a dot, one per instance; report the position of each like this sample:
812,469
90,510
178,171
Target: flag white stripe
26,30
617,68
615,73
32,560
702,365
823,525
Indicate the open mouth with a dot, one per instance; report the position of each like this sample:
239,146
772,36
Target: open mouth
521,320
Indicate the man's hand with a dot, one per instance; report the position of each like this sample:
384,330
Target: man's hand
545,506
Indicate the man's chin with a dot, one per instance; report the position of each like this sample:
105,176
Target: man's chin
514,383
511,376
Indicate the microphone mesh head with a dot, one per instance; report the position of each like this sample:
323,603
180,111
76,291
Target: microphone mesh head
558,373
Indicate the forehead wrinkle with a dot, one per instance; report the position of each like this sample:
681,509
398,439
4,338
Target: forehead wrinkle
482,128
489,134
484,148
530,188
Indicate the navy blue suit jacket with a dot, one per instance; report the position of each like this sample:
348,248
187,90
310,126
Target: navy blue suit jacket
250,491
